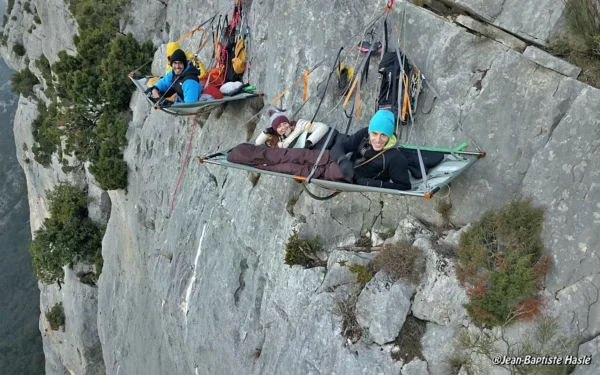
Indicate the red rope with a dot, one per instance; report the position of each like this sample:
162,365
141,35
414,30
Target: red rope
187,153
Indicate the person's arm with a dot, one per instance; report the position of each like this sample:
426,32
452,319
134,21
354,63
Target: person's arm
397,169
163,84
261,139
340,149
298,129
317,131
348,144
191,91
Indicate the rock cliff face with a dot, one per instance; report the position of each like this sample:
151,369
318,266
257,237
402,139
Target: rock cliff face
203,289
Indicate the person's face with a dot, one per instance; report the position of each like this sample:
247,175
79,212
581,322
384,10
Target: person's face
283,128
178,67
378,140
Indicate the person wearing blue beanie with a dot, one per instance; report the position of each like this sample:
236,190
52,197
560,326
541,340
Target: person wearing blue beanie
369,156
381,129
382,122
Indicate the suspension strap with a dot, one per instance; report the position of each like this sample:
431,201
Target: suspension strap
397,48
305,91
131,74
312,172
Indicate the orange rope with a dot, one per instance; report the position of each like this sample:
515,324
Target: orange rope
203,43
405,101
351,90
305,92
189,33
288,89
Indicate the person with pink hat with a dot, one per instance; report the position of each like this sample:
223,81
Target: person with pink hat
288,131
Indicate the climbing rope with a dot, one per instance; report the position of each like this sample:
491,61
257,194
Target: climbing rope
187,153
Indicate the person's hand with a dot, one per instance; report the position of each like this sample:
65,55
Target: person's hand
347,168
308,145
155,94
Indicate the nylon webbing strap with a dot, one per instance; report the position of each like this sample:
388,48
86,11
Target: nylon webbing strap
314,168
397,47
364,64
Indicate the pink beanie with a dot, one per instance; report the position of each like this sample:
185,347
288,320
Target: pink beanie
277,119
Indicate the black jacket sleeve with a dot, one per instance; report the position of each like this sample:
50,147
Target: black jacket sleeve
397,169
348,144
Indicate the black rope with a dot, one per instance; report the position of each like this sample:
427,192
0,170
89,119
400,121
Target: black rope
314,196
327,84
349,119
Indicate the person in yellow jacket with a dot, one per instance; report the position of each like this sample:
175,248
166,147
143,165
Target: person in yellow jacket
172,47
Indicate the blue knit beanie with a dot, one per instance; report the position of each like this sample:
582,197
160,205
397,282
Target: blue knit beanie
383,122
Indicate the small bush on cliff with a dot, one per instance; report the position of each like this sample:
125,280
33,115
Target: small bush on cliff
98,263
303,252
22,82
400,261
46,134
56,317
501,262
67,236
345,308
19,50
581,44
9,6
363,273
44,66
108,166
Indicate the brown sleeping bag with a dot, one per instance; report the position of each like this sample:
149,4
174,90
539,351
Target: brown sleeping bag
293,161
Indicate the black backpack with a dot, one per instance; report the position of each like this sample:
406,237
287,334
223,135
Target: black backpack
390,75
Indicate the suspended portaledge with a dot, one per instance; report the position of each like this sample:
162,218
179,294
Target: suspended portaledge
430,169
452,162
184,109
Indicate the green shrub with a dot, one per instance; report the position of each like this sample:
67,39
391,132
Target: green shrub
93,86
46,134
9,6
56,317
109,168
4,20
580,45
99,263
501,262
36,19
44,66
27,7
125,55
110,171
67,236
67,202
363,273
400,261
19,50
303,252
22,82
